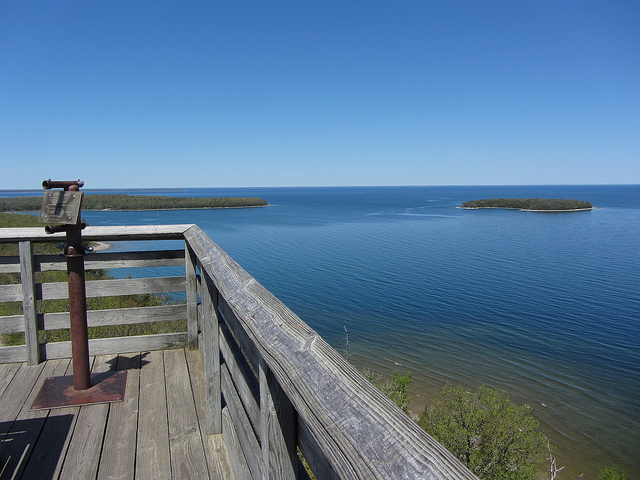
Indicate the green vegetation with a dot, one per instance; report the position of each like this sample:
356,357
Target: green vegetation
612,473
490,434
11,220
394,387
548,204
134,202
493,436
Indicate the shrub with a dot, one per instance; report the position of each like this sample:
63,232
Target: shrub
493,436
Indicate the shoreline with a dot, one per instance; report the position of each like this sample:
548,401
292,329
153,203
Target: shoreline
29,212
100,246
127,201
162,209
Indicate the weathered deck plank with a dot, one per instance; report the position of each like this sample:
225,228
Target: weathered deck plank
217,456
152,454
185,442
83,455
118,457
16,393
11,401
26,429
7,372
48,455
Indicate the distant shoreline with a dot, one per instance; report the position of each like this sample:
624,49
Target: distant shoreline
126,202
163,209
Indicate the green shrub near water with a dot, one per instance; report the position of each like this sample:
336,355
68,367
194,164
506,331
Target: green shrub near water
394,387
612,473
490,434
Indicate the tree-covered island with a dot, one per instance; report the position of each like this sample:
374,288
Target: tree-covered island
531,204
135,202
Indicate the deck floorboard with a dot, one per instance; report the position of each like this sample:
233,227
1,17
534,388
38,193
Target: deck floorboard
215,448
185,442
152,456
154,433
118,459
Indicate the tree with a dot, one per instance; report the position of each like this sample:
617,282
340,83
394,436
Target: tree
612,473
396,390
493,436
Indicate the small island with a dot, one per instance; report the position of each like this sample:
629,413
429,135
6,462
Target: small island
135,202
531,204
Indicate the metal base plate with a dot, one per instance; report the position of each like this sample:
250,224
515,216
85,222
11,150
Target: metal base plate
58,392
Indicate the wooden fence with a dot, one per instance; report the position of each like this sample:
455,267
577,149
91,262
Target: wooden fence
274,388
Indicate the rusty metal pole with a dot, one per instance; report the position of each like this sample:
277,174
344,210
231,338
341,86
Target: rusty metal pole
74,251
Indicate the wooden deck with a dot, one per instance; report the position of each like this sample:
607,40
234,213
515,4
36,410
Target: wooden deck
155,433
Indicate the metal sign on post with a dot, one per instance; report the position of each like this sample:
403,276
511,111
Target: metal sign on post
59,206
63,207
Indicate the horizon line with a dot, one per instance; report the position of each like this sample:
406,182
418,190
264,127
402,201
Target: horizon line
341,186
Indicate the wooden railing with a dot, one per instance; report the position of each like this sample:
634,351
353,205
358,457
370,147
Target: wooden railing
274,388
31,322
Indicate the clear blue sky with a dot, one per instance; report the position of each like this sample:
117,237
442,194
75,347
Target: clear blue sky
242,93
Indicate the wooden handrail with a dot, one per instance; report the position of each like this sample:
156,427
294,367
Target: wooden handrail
98,233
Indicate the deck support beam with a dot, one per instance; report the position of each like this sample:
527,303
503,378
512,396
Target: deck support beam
277,429
29,310
211,354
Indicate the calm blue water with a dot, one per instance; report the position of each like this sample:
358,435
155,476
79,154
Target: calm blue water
543,305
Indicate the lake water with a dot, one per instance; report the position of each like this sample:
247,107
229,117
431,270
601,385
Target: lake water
543,305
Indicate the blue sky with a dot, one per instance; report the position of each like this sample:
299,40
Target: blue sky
299,93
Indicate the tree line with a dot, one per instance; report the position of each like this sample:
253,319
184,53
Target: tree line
136,202
529,204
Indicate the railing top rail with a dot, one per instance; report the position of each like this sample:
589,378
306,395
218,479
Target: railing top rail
103,233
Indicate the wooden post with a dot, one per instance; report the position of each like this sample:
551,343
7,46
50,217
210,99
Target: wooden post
29,310
277,429
211,355
192,301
